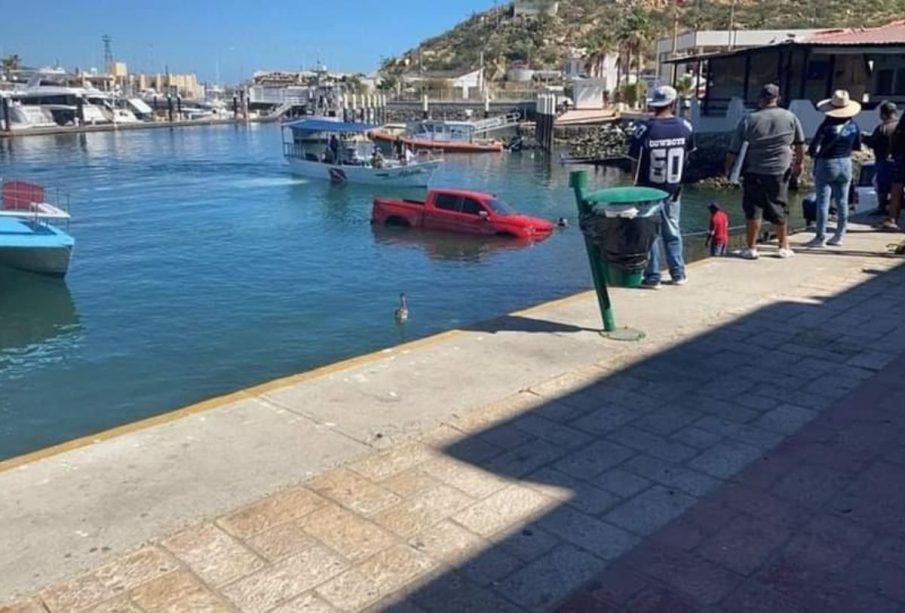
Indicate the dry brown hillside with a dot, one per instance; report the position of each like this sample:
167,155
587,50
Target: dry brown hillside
599,26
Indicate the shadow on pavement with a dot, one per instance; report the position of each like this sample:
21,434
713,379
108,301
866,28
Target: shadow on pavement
590,473
517,323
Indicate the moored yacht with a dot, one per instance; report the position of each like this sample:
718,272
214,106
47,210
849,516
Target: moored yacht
48,90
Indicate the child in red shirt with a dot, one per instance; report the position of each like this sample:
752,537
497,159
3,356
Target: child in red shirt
718,237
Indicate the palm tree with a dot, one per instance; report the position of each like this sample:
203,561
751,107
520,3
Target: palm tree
636,32
10,64
598,44
685,86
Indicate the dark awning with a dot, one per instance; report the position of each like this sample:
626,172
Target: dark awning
703,57
325,125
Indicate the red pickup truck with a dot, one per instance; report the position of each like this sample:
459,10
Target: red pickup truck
457,210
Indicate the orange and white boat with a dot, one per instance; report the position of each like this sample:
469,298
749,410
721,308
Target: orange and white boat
448,136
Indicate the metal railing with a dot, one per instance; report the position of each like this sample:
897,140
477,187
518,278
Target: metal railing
500,122
29,201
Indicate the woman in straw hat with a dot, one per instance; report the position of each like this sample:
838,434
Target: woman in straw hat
831,148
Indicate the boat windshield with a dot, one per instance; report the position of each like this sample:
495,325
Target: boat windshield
499,207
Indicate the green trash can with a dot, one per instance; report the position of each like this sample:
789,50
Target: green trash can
622,224
619,225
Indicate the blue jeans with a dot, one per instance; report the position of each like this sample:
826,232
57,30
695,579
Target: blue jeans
671,239
832,179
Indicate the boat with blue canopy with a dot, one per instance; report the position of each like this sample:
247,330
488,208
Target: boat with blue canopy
27,240
342,152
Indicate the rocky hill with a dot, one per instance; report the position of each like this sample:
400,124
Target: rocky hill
599,26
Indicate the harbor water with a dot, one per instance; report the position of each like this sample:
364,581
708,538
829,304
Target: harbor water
202,267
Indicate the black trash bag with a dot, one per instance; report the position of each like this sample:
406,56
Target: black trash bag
622,242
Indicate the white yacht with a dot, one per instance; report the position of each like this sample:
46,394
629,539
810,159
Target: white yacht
24,117
48,92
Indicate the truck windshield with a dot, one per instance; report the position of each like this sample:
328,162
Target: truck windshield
499,207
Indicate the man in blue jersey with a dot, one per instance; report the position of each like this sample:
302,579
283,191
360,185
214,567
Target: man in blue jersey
659,151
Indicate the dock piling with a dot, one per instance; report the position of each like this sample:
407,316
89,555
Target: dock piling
80,109
4,114
545,119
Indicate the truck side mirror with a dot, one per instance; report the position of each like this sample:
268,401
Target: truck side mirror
484,215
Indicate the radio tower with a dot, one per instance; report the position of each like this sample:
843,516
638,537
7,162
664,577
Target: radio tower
108,53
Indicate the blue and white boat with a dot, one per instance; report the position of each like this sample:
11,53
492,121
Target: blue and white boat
27,239
353,158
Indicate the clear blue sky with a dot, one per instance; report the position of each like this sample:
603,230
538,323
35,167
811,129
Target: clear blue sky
194,35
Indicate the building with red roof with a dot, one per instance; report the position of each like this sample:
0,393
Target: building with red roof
868,62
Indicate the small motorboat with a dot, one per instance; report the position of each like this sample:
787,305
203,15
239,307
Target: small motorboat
447,136
350,157
27,239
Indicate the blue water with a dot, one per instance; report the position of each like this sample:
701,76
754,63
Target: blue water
202,266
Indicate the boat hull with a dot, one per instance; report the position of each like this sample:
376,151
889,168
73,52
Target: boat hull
413,175
34,246
450,146
51,261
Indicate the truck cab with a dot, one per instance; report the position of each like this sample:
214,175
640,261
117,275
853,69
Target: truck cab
463,211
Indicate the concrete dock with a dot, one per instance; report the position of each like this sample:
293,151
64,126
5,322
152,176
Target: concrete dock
520,464
120,127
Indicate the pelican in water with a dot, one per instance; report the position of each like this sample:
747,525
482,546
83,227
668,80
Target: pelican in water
402,311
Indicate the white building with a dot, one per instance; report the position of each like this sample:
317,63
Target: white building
711,41
461,86
469,84
533,8
588,94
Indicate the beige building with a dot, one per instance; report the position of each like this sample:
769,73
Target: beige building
118,70
185,85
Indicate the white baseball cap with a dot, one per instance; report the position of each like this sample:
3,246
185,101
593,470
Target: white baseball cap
663,96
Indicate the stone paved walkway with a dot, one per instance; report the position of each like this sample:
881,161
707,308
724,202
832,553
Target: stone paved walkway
754,466
818,524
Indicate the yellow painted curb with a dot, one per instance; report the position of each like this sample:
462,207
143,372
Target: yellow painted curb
256,390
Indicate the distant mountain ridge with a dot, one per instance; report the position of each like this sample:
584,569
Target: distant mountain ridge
596,27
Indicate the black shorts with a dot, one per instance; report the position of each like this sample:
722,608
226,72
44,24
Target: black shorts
767,196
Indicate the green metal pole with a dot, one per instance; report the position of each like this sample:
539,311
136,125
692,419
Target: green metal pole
578,181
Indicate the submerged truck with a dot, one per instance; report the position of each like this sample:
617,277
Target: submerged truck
457,210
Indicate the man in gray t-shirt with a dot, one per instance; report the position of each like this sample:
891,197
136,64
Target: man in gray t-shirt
771,134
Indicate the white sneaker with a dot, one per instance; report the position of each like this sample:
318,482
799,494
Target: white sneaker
834,242
786,253
815,243
749,254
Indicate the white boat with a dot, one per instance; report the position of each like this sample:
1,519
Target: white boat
48,95
28,117
352,160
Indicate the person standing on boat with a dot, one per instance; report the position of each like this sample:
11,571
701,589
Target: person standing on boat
831,148
770,134
659,150
880,140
